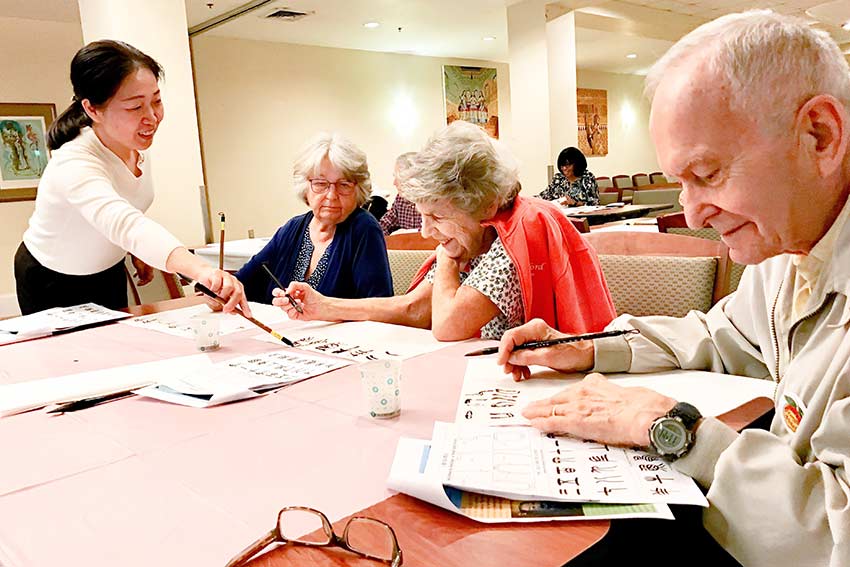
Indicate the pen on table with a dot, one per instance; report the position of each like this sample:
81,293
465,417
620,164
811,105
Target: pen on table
221,243
84,403
207,291
280,285
553,342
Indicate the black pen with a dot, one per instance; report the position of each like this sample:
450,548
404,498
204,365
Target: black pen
207,291
553,342
280,285
84,403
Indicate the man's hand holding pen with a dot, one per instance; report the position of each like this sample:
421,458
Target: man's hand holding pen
569,357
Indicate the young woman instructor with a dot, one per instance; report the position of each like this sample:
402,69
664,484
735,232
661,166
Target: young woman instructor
92,197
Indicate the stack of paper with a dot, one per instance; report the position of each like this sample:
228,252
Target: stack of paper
417,471
25,396
490,466
239,378
56,319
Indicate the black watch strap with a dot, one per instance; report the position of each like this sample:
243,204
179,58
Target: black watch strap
687,413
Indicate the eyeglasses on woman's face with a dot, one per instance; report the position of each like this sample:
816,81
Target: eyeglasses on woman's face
297,525
343,186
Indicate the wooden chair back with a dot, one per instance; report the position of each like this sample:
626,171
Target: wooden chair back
163,286
639,179
622,181
657,177
410,241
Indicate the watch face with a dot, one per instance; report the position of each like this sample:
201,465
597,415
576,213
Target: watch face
670,436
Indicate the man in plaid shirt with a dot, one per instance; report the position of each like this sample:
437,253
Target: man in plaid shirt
403,213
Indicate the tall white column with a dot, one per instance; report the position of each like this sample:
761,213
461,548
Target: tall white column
527,52
563,115
159,28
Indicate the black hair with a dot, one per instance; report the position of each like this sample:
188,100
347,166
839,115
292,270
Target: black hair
97,71
573,156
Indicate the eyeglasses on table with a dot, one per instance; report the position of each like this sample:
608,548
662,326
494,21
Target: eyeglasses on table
298,525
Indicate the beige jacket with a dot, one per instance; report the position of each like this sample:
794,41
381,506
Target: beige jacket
780,497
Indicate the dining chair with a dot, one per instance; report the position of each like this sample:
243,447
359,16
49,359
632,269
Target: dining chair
650,273
580,223
639,179
404,264
657,177
674,223
163,286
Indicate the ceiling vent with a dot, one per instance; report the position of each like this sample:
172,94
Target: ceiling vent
286,15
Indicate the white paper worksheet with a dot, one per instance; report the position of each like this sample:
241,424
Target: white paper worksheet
55,319
178,322
362,341
240,378
490,397
523,463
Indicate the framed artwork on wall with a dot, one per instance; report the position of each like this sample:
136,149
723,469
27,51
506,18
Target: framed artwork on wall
592,121
471,94
23,148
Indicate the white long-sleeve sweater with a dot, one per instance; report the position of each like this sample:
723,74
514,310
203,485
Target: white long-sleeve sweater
89,211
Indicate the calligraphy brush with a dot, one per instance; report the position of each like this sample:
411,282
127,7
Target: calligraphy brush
553,342
297,307
208,292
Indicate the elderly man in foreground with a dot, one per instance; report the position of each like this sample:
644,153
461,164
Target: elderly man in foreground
750,112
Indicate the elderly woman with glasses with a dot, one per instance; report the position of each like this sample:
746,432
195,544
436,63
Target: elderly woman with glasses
502,259
336,248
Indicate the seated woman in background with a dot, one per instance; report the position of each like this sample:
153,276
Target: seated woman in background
336,248
403,214
573,183
502,260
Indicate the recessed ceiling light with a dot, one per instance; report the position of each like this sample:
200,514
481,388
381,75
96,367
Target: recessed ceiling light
371,25
631,56
489,38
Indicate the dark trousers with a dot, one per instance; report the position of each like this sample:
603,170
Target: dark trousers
41,288
650,542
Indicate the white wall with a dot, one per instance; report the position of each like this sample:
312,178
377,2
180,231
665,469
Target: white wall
260,102
35,68
630,149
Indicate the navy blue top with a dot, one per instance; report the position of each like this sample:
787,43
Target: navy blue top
357,260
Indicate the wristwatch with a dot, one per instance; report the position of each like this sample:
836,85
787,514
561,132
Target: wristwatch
672,435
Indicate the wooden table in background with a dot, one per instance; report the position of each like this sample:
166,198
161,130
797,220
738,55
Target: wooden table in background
609,214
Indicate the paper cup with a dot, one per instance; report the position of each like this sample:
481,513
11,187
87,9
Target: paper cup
381,381
207,331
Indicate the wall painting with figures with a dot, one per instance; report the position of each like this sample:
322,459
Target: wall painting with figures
471,95
23,148
592,121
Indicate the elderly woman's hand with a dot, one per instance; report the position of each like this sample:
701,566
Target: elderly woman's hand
599,410
568,357
444,261
313,304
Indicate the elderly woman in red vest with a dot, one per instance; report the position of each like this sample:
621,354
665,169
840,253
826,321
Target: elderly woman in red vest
502,260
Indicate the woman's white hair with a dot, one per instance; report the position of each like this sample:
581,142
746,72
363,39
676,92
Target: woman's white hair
343,155
779,59
463,165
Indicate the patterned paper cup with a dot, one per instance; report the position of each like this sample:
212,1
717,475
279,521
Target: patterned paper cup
207,331
381,381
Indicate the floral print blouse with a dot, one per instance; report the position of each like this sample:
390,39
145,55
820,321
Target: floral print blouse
583,190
